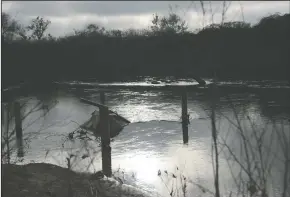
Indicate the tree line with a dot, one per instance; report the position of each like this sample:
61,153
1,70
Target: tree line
229,50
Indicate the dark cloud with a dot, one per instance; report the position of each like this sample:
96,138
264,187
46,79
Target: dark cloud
101,8
66,16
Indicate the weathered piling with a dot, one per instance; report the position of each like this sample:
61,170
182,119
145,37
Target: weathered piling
185,118
18,129
105,135
102,98
5,127
105,141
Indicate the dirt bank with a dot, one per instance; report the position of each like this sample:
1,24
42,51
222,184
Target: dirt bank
41,179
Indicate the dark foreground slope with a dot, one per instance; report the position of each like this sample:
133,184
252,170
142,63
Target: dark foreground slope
41,179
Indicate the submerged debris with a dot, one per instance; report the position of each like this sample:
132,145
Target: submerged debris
117,123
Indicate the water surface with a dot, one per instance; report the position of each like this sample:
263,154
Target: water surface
153,140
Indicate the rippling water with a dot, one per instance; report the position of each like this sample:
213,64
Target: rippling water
153,141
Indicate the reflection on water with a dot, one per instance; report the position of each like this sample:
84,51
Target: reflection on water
154,139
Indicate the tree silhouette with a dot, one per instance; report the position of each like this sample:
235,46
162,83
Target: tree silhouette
232,50
38,27
170,24
10,28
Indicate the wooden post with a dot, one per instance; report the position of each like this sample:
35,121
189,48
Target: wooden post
5,113
184,115
102,98
18,129
105,135
105,141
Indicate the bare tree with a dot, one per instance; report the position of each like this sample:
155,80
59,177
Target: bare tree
38,27
10,28
171,24
256,156
8,145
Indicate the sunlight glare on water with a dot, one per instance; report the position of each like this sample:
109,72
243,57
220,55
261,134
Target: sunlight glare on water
153,140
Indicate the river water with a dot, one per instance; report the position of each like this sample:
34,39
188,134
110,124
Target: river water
153,140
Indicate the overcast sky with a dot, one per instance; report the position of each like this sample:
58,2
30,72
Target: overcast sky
66,16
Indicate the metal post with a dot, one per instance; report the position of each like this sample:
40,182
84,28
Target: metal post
184,117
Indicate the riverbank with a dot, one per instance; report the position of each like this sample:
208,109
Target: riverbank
42,179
